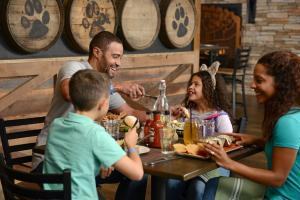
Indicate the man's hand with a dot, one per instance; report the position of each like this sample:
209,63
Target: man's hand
132,90
105,172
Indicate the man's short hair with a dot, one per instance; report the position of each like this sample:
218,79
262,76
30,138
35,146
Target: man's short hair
87,87
102,40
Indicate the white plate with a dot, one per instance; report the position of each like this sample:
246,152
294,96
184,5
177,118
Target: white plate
142,149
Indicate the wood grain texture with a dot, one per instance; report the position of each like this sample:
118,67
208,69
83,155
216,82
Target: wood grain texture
139,22
33,25
178,22
84,19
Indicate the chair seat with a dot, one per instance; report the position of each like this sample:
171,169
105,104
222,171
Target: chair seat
229,72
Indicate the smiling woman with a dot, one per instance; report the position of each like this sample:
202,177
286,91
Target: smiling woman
277,86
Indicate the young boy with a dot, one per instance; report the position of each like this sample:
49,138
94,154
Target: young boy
77,143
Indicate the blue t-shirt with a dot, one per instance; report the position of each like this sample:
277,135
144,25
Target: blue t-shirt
78,143
286,134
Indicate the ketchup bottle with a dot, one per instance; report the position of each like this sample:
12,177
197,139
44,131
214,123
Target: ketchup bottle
155,129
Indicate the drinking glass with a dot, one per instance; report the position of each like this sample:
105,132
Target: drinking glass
208,128
191,131
112,127
166,140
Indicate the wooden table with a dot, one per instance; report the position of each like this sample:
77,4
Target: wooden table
184,168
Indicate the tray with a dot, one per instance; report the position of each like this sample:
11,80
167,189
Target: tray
227,149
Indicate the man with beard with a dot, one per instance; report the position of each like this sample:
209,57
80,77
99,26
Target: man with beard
105,53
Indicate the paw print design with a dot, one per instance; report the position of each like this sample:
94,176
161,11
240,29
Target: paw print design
35,18
95,18
181,21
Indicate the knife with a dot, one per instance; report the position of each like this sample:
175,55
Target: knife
160,160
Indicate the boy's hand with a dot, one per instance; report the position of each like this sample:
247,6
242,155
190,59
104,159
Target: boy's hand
105,172
131,138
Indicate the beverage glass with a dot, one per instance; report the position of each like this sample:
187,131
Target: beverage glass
112,127
208,128
166,138
191,131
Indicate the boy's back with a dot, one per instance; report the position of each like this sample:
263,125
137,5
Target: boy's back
79,144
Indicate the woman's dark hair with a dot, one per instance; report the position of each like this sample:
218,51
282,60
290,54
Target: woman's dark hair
284,67
216,98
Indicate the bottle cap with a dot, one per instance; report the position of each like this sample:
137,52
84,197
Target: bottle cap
156,112
167,112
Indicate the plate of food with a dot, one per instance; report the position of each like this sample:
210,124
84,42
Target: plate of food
142,149
197,150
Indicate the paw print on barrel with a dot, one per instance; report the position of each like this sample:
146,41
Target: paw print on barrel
95,19
181,21
35,18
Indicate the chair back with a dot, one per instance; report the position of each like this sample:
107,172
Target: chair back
16,137
242,57
241,125
13,191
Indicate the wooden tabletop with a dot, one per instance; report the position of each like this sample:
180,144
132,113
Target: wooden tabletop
183,168
186,168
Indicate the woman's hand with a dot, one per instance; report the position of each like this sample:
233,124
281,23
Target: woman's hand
245,139
219,155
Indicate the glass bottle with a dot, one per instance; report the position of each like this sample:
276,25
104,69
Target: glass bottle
161,103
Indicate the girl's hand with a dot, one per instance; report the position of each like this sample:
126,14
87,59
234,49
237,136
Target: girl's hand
219,155
177,112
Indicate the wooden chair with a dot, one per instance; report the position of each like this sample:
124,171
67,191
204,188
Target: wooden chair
13,191
241,125
19,136
237,76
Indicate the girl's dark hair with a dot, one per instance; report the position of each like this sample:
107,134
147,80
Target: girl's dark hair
284,67
216,98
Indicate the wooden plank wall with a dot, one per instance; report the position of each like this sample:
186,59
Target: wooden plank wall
30,98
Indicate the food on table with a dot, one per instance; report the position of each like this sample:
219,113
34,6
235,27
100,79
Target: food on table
112,116
180,148
199,150
131,121
192,149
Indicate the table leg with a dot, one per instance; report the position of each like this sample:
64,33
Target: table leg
158,188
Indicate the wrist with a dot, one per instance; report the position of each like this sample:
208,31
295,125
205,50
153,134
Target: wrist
131,150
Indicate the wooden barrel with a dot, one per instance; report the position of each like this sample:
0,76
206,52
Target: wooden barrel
178,22
32,25
139,22
84,19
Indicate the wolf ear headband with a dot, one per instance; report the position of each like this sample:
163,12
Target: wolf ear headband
212,70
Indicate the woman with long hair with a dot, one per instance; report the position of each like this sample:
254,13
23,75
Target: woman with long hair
277,86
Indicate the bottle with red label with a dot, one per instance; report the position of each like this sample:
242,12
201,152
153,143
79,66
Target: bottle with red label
155,129
147,127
